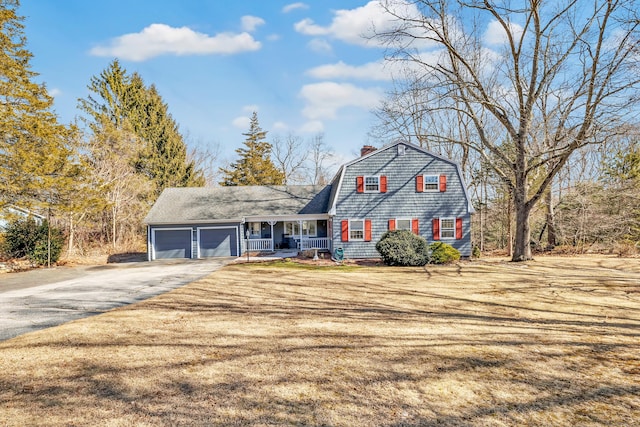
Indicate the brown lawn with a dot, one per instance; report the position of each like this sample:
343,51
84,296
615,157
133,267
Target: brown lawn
551,342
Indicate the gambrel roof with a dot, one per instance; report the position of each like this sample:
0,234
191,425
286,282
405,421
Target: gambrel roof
338,179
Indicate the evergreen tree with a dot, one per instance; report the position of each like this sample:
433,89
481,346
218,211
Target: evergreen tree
254,167
126,102
164,159
38,159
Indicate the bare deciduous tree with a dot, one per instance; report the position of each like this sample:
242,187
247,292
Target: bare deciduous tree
206,158
289,155
321,161
553,77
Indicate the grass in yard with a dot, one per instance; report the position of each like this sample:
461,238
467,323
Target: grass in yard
289,264
551,342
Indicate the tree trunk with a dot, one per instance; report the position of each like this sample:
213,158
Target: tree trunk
72,231
509,225
522,248
113,226
551,222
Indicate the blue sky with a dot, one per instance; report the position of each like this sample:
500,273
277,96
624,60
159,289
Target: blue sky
304,67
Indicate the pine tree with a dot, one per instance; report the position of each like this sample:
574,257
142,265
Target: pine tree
126,102
164,159
254,167
38,159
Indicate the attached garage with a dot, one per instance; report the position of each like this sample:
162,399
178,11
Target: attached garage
217,242
171,243
210,222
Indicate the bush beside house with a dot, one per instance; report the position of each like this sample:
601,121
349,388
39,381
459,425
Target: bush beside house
404,248
443,253
24,238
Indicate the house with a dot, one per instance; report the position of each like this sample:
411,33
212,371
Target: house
10,213
399,186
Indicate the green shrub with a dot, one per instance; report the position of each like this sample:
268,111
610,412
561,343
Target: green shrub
402,247
25,238
476,252
443,253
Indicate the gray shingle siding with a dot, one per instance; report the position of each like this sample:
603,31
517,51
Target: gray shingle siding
401,199
223,207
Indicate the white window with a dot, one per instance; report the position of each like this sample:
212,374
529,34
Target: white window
431,183
309,228
371,183
401,149
447,228
254,229
403,224
356,229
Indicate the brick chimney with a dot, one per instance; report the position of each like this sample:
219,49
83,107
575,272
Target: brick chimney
367,149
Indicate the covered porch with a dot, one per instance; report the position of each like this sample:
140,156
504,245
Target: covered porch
272,234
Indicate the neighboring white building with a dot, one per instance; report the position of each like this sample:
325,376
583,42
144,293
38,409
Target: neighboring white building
9,213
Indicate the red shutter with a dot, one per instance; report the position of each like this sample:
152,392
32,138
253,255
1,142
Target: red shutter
420,183
392,224
345,230
414,226
367,230
458,228
360,184
443,183
436,228
383,184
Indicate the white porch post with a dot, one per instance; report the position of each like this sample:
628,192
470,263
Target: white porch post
300,225
272,223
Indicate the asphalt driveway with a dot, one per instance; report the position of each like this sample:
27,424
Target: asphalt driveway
48,297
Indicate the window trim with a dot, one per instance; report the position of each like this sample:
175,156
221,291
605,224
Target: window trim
452,228
351,238
296,224
437,183
404,219
251,229
364,183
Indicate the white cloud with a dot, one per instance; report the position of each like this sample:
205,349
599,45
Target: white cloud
312,126
496,34
370,71
54,92
251,108
359,26
241,122
161,39
279,127
323,100
353,26
293,6
320,46
309,28
250,23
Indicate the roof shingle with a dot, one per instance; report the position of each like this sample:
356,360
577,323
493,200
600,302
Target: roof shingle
201,204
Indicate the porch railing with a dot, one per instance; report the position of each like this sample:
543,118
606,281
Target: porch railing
314,243
260,245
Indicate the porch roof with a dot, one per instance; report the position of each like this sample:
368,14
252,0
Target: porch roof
216,204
